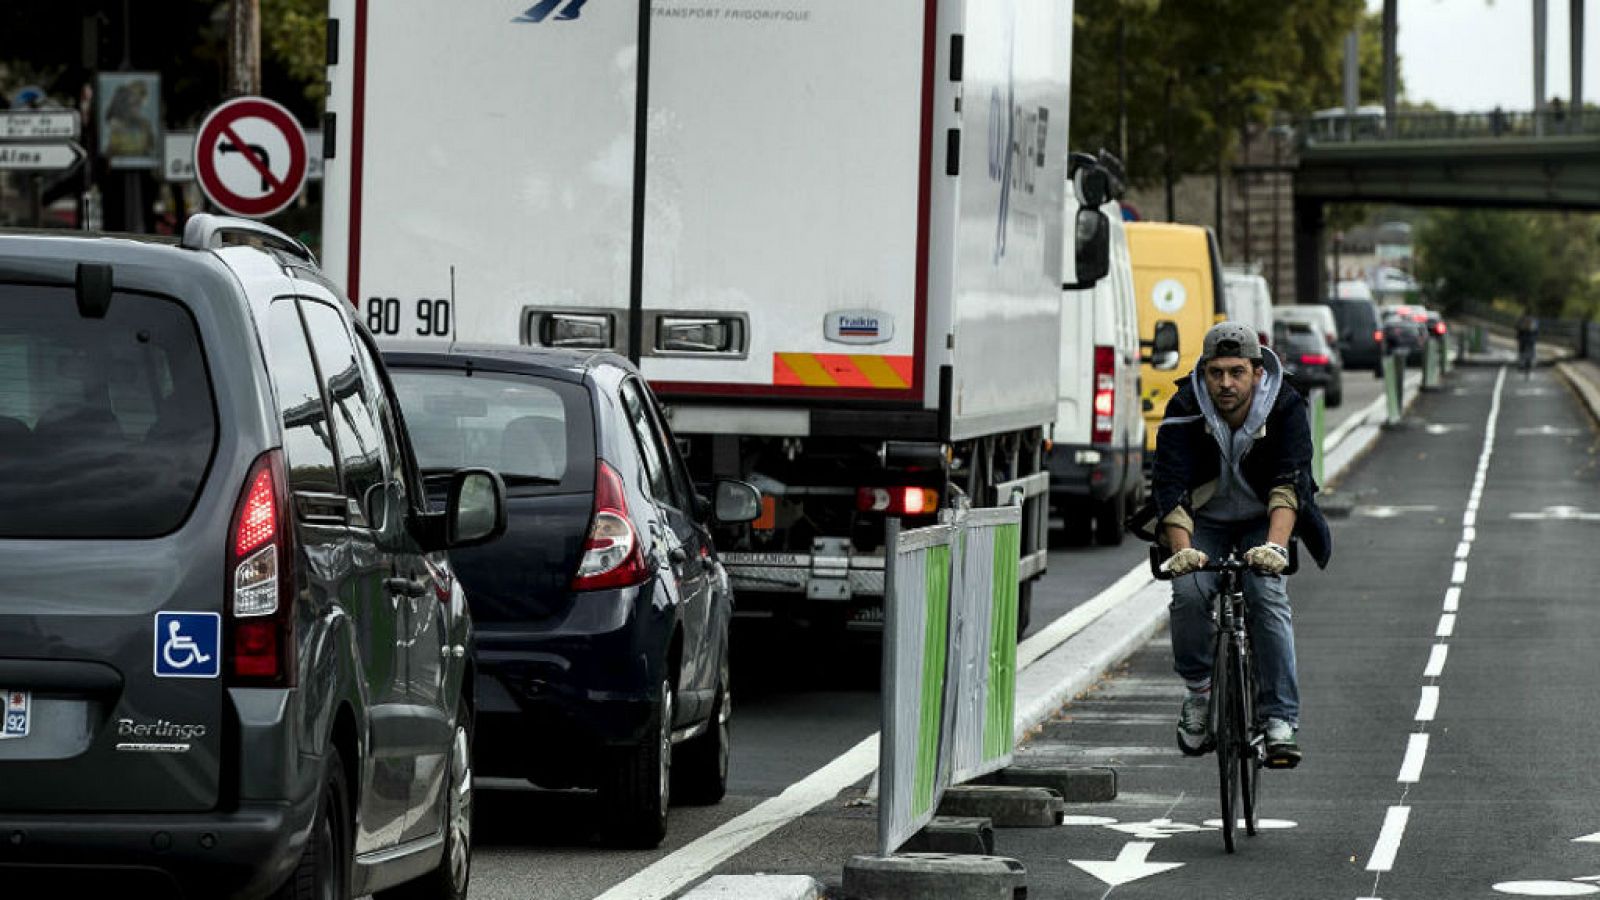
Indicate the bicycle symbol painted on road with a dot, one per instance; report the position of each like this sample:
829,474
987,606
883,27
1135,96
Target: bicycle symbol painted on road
188,644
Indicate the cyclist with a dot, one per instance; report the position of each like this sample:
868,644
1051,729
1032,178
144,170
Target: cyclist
1527,339
1232,472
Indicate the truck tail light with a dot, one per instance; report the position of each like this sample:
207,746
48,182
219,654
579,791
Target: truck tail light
1105,394
260,592
898,501
612,557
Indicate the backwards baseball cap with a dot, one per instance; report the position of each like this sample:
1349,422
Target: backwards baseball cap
1230,339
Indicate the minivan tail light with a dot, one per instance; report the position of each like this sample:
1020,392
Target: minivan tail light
612,557
1378,335
260,589
1105,394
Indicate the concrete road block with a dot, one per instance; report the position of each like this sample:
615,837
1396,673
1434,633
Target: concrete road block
1006,807
1075,784
953,834
921,876
757,887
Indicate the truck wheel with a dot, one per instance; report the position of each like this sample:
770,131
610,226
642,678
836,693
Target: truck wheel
1108,522
324,868
449,880
701,766
638,791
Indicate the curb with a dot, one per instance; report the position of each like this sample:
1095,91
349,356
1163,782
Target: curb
757,887
1587,390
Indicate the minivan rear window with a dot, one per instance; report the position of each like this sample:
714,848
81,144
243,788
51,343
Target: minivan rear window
538,433
107,426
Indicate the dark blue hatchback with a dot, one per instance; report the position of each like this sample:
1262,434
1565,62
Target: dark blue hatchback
603,613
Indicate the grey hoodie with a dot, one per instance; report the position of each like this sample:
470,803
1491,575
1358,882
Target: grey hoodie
1233,500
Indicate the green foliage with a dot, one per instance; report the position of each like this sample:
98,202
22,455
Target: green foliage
295,34
1227,62
1543,263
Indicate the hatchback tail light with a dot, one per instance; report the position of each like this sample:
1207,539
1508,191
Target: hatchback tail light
260,590
898,501
1438,328
612,557
1313,359
1105,394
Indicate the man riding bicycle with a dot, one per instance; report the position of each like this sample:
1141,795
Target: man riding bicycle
1232,472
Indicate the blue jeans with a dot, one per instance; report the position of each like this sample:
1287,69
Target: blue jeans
1269,621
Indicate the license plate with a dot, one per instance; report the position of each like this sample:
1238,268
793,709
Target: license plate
18,705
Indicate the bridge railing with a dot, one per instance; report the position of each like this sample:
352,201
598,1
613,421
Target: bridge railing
1418,126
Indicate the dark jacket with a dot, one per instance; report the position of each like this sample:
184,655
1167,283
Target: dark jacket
1187,458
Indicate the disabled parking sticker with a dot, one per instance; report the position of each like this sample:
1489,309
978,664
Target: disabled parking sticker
188,645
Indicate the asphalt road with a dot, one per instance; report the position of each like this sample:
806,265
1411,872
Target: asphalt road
797,707
1448,733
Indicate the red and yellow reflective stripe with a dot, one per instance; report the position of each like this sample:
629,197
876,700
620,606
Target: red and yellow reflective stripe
842,370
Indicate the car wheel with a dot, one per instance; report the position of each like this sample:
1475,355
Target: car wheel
701,765
1335,396
639,787
323,872
1108,522
449,880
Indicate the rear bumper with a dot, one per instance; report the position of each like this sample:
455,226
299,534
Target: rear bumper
548,699
244,854
1092,471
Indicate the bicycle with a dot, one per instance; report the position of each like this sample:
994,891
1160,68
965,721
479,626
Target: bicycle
1232,731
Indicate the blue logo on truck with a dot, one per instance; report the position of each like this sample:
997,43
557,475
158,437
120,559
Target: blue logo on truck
542,10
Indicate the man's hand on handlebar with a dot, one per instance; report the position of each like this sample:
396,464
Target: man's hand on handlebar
1184,561
1268,559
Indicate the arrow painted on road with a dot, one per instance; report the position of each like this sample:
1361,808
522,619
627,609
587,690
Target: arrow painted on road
1129,865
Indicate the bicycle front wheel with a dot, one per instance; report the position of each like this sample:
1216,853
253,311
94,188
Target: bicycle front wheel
1224,710
1249,756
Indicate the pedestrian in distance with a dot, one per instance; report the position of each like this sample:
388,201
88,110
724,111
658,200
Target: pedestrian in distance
1232,473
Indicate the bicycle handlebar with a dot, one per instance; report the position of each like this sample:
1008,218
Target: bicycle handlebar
1232,563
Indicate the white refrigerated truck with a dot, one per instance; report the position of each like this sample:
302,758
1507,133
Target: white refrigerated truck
833,238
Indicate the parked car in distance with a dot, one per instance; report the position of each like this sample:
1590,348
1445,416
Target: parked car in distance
603,614
1403,332
1319,316
231,643
1249,300
1097,452
1308,361
1360,333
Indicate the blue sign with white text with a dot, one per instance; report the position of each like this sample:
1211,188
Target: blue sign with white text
188,645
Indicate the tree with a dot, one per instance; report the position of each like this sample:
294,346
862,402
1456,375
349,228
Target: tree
1226,61
1538,262
295,34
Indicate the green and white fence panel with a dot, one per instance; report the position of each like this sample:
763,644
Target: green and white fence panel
984,642
916,641
1318,412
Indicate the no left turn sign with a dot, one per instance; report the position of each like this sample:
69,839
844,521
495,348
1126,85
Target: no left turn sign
250,157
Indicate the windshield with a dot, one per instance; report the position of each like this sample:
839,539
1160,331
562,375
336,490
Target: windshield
536,432
106,425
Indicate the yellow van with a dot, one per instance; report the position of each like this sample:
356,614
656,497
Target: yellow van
1177,278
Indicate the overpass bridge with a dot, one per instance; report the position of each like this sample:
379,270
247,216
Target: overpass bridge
1547,160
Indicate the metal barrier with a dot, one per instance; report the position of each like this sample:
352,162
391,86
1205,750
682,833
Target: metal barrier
949,662
1394,375
1432,365
1317,410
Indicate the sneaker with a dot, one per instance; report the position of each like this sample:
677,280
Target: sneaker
1282,751
1193,719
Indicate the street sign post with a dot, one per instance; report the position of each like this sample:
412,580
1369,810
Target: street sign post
39,125
40,157
250,157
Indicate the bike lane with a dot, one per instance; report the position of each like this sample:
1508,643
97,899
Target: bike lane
1366,630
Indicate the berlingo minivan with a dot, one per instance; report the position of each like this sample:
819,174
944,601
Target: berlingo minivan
234,660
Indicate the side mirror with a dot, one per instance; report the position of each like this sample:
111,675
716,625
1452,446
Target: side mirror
1092,183
476,511
737,502
1093,255
1163,346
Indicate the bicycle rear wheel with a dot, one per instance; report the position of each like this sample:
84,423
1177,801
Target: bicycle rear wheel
1224,709
1249,754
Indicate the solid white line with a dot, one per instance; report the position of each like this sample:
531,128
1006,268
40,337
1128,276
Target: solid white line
1429,704
1416,755
1436,660
1447,625
1394,828
676,869
1463,549
1459,574
1053,635
1452,599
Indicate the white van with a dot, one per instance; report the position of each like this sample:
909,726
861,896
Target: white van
1097,457
1249,300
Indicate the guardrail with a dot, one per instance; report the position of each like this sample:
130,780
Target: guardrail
949,662
1444,125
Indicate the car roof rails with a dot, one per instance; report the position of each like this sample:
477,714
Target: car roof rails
205,231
